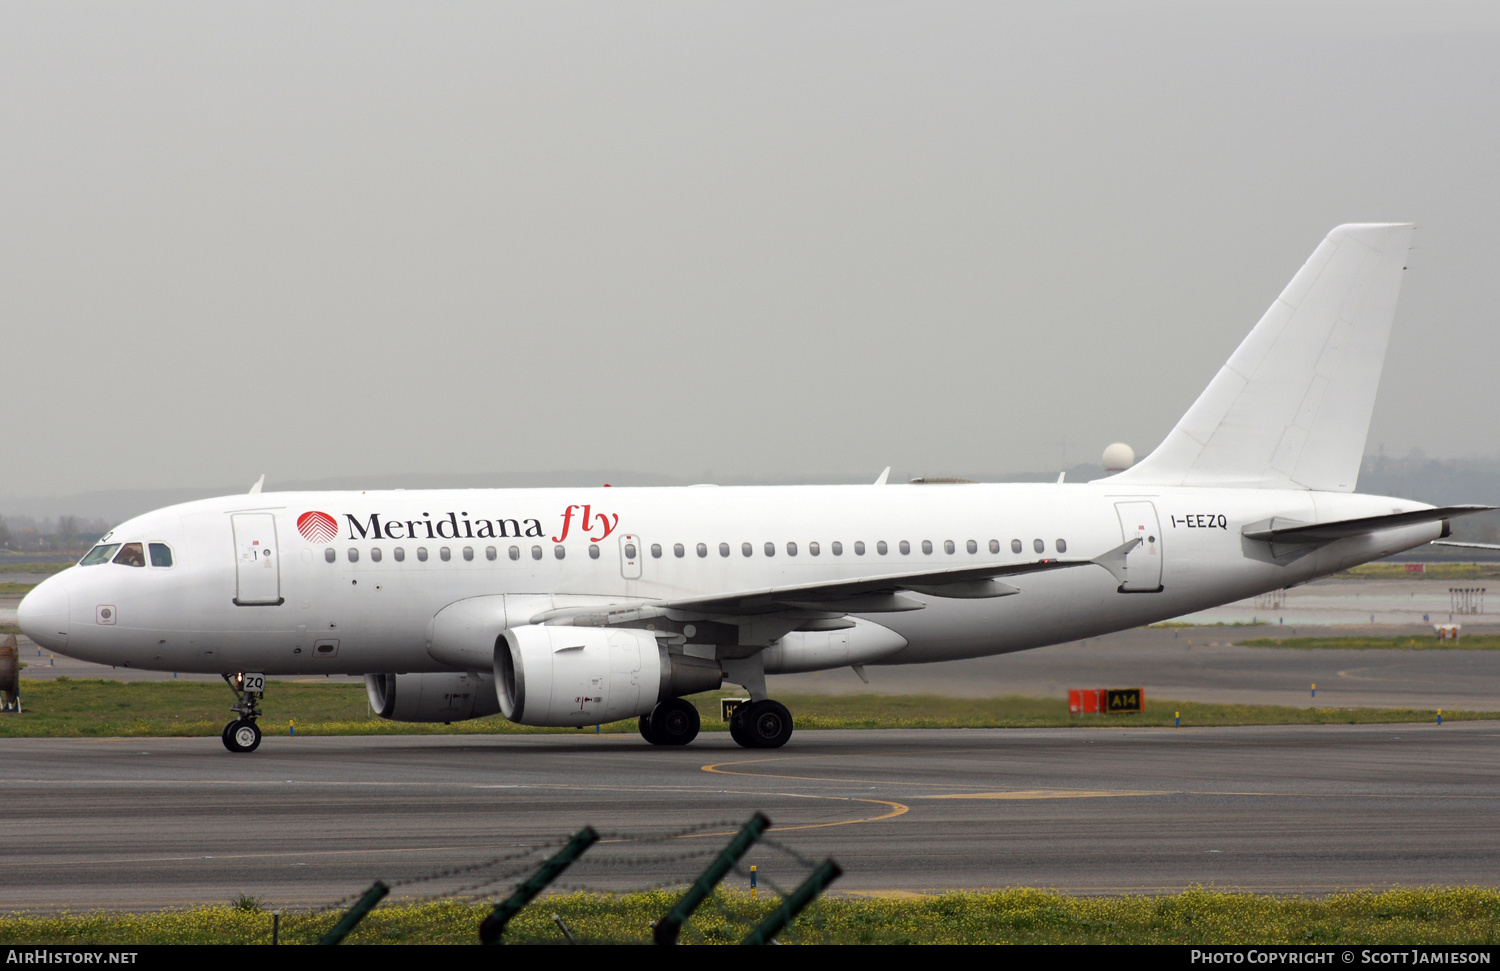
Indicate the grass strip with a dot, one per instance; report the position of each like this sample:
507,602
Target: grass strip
1459,915
68,708
39,569
1430,571
1471,642
8,587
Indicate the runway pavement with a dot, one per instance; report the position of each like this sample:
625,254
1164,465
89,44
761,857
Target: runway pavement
146,823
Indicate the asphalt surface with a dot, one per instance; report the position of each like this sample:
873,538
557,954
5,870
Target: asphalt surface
304,822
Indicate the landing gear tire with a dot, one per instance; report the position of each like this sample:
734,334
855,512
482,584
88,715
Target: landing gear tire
242,736
763,724
673,722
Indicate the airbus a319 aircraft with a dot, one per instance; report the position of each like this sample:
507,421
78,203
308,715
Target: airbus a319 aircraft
573,607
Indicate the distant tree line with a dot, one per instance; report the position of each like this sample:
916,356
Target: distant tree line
65,534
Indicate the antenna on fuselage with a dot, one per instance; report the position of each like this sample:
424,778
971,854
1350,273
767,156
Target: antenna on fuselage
255,489
883,476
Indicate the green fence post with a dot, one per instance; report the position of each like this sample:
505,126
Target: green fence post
356,914
767,930
494,925
670,926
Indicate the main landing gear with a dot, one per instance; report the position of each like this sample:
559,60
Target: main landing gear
761,724
242,734
672,722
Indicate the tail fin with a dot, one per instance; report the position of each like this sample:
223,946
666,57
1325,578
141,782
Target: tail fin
1291,408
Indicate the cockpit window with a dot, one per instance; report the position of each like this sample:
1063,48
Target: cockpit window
99,554
161,554
131,554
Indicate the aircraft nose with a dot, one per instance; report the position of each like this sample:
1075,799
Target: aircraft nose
43,614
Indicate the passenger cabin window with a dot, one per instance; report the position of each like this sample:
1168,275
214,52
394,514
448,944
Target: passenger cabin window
375,553
1015,546
329,555
791,549
881,548
536,552
723,549
559,551
131,554
678,551
905,548
593,551
971,546
770,549
445,554
161,554
629,551
927,547
490,552
400,554
353,555
422,553
859,547
747,549
1062,546
702,549
948,546
99,554
468,552
514,553
1039,546
656,551
812,549
837,547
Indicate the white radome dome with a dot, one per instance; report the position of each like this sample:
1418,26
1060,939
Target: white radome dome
1118,457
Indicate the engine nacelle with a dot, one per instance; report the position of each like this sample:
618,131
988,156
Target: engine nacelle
438,697
574,676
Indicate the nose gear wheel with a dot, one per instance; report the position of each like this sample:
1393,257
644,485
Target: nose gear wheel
242,734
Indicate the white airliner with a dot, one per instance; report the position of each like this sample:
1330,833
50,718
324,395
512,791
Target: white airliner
572,607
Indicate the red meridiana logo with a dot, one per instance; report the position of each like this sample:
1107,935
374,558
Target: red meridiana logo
317,527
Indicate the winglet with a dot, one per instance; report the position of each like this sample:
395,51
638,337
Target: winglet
1114,560
883,476
255,489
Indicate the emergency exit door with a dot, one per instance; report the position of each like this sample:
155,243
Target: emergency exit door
257,565
1142,564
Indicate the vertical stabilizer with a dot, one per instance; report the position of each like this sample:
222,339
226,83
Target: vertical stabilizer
1291,409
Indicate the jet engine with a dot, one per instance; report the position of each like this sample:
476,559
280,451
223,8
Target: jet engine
435,697
573,676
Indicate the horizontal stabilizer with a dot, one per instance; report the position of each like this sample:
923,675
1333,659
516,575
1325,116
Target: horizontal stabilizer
1279,530
1467,546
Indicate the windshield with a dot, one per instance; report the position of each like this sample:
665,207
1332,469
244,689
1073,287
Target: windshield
99,554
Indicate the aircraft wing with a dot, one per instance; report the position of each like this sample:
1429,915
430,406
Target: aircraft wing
1278,530
828,600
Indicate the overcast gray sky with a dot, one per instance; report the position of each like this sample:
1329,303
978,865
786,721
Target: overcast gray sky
319,239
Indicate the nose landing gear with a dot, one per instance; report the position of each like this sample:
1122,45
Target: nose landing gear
242,734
